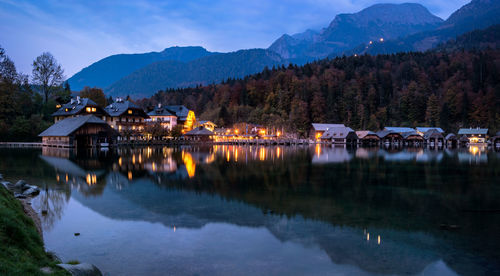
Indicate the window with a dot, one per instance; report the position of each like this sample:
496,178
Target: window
129,111
94,109
88,109
66,109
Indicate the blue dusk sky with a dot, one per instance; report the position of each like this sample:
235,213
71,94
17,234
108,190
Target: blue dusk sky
79,33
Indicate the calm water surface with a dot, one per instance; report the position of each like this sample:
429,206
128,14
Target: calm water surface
231,210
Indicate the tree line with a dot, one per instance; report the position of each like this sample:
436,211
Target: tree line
435,88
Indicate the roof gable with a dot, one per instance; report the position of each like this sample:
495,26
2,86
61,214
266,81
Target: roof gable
120,106
69,125
337,132
399,129
472,131
74,107
325,127
425,129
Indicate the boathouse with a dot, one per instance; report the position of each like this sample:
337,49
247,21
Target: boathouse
412,138
340,135
78,132
79,107
399,129
495,140
475,135
434,138
366,137
319,129
451,140
389,137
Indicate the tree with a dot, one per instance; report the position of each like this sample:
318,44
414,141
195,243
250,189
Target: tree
47,73
94,94
432,113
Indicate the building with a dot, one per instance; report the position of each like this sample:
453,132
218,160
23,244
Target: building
206,124
495,140
200,134
474,135
399,129
412,138
79,107
126,117
433,138
79,131
340,135
389,137
185,117
167,118
451,140
422,130
367,137
319,129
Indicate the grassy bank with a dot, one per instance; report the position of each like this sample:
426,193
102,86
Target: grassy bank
21,247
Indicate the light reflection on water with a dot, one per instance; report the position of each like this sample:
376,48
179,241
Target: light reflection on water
236,210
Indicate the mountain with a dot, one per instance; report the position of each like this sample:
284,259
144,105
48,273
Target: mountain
478,14
488,38
110,69
387,21
210,69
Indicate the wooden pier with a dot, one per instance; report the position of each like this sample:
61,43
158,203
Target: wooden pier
20,144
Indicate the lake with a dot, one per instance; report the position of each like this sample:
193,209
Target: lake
255,210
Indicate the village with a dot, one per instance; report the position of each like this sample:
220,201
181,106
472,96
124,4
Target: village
83,123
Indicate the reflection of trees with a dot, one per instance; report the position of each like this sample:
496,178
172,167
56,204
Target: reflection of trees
53,201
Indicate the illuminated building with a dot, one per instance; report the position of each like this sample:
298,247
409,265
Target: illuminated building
319,129
125,116
167,118
474,135
78,107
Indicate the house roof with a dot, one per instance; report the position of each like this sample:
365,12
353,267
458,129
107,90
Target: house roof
400,129
432,133
204,122
179,110
161,111
450,136
465,131
199,131
69,125
363,133
337,132
425,129
384,133
74,107
120,106
325,127
410,133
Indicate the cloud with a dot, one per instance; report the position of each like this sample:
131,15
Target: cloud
78,33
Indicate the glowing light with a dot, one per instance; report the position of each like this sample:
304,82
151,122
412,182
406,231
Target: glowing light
236,131
67,178
153,166
57,177
227,156
262,154
133,159
368,236
278,134
120,161
129,111
318,150
262,132
189,163
94,109
278,152
58,106
371,42
174,228
318,135
474,150
378,239
236,155
381,39
129,175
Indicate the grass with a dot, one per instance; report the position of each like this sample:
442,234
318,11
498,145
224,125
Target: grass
21,248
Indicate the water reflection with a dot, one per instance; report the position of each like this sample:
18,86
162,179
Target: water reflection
383,211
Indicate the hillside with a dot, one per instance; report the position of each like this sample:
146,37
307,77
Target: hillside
478,14
388,21
364,92
211,69
110,69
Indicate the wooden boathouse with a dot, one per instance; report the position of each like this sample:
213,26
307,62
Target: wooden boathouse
81,131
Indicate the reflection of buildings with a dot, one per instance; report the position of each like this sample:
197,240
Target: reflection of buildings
329,154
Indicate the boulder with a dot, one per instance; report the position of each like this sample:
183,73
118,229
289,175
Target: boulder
20,184
7,185
81,269
31,191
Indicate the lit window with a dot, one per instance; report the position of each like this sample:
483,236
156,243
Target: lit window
66,109
94,109
88,109
130,111
58,106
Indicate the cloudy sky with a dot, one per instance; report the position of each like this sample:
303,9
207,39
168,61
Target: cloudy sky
79,33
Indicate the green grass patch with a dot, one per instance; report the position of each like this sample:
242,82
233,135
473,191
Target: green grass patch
21,248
